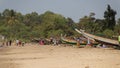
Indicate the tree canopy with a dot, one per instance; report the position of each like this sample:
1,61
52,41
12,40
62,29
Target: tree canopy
109,16
107,27
15,25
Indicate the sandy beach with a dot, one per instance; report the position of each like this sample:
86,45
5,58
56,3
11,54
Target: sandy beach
47,56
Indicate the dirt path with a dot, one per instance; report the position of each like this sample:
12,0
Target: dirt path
35,56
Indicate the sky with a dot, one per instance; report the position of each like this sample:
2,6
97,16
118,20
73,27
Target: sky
74,9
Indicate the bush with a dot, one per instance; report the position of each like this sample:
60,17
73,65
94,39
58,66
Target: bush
108,33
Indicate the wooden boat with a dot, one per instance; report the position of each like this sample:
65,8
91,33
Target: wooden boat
98,38
73,42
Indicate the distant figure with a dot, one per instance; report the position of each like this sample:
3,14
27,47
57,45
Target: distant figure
54,41
51,40
119,39
78,42
57,42
104,46
10,42
88,42
17,42
41,42
23,43
3,43
7,43
3,40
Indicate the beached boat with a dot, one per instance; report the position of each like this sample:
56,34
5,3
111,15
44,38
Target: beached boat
74,42
98,38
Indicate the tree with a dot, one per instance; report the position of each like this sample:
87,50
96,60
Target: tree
14,25
10,16
118,22
109,16
87,23
70,22
100,25
6,13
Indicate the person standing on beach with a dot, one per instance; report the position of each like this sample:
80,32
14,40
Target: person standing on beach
119,39
54,41
51,40
23,43
17,42
10,42
3,40
88,42
78,42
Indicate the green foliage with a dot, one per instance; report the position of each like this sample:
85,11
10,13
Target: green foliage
109,16
14,25
108,33
106,27
117,28
87,23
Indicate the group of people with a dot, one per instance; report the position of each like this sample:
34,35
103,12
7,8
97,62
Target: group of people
7,43
52,41
10,42
86,41
20,43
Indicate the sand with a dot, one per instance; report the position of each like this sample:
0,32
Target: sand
47,56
